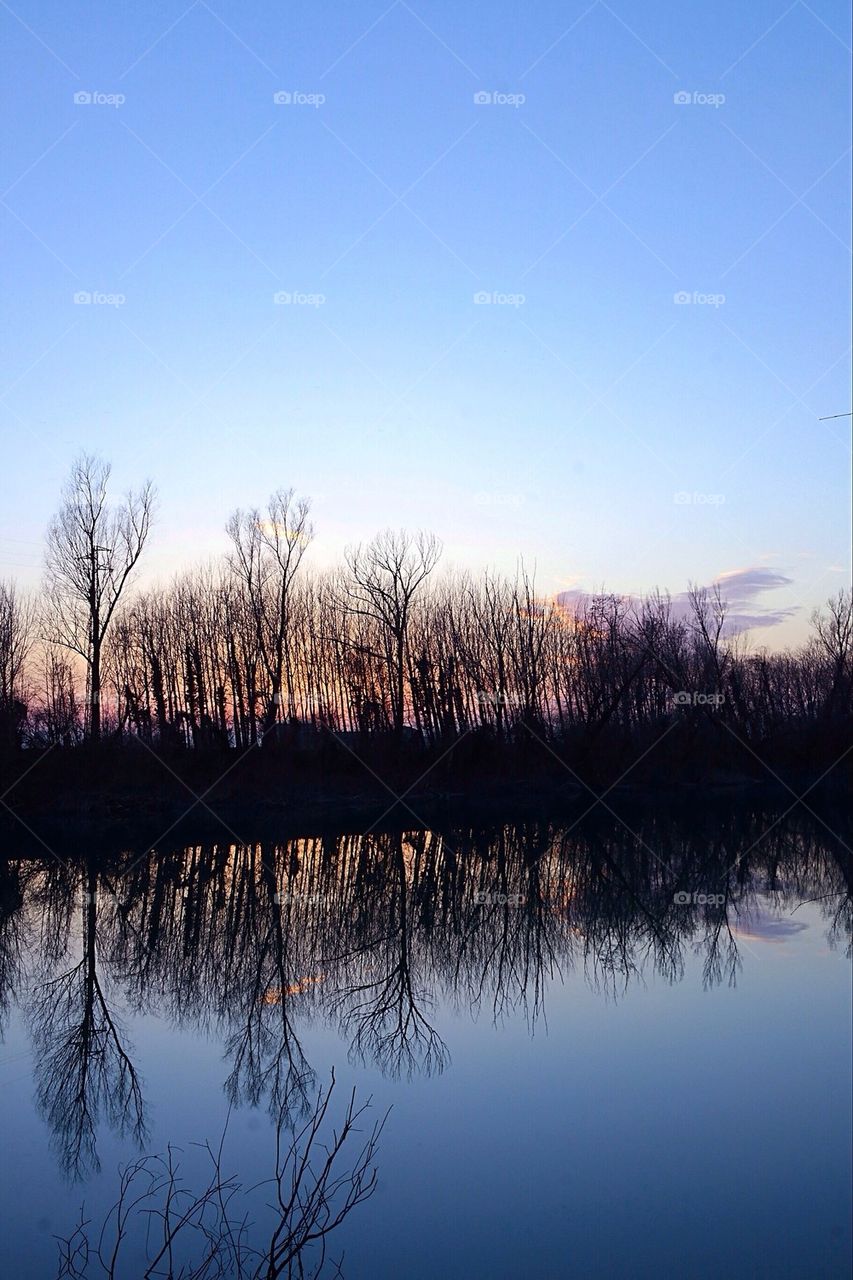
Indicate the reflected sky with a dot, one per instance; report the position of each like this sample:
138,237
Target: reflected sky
587,1076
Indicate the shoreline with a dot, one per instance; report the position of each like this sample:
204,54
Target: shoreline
67,807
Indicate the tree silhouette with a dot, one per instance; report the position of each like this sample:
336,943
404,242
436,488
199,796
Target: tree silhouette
92,549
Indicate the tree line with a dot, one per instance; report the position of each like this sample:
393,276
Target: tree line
262,649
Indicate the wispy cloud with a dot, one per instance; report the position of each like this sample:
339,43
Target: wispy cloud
740,588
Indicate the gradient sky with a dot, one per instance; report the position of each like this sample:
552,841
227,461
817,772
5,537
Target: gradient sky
606,432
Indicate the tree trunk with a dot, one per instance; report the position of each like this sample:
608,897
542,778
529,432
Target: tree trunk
401,676
95,694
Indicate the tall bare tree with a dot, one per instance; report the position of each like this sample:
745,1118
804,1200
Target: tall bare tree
383,580
92,549
834,632
268,550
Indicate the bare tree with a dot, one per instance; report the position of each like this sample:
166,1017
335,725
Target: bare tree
709,611
384,578
16,637
57,717
834,630
204,1235
92,549
268,550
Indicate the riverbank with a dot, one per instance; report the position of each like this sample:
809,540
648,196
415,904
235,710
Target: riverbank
137,795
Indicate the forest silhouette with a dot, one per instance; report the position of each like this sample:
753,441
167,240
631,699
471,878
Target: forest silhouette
384,671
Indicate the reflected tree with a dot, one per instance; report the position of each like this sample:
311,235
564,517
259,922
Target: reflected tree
383,1009
83,1066
267,1055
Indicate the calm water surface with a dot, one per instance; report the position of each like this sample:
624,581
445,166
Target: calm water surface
608,1052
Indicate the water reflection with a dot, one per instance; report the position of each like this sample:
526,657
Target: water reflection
83,1062
370,933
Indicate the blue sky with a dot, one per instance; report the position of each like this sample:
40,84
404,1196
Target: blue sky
583,417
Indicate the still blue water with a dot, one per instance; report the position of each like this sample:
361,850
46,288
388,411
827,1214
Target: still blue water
597,1080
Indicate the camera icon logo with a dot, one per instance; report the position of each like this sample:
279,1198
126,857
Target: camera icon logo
482,98
82,98
283,98
682,98
82,297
